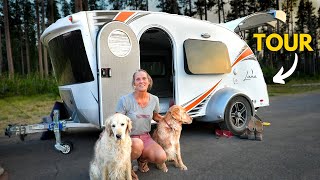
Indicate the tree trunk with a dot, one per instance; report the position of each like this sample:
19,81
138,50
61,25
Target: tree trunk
38,37
205,10
8,40
190,8
85,5
219,11
223,15
45,54
147,5
27,51
1,57
22,59
51,18
78,5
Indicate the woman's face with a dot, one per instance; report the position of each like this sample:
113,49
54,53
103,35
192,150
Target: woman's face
141,81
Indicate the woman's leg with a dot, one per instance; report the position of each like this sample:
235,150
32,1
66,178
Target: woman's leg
136,148
136,151
153,152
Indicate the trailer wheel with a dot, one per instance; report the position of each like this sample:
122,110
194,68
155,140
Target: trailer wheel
237,115
68,145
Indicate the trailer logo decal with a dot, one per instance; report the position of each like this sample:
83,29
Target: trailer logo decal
123,16
246,53
250,76
201,98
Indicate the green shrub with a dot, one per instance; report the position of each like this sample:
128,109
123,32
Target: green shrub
27,85
268,74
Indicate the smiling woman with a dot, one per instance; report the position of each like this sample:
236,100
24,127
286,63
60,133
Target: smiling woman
142,107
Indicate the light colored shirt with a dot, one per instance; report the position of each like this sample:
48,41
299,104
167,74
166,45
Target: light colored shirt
140,117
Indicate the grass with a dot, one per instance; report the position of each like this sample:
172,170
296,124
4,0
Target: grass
294,87
25,109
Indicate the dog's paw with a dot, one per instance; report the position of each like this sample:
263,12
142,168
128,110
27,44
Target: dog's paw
165,169
183,167
162,167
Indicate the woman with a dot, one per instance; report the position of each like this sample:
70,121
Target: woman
141,107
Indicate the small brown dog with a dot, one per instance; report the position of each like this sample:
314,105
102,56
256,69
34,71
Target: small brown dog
167,135
112,151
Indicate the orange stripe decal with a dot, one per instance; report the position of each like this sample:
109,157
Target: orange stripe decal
123,16
247,52
197,101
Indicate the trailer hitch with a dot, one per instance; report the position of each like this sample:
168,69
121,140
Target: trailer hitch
18,129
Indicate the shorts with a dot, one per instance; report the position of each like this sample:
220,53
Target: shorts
146,139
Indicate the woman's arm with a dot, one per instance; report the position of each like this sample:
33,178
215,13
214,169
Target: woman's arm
157,117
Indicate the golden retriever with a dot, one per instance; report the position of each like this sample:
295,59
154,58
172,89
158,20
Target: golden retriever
167,135
112,151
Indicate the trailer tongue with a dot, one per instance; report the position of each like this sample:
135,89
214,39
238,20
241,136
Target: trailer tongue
54,125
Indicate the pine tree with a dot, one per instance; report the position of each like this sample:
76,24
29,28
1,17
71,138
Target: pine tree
1,57
188,10
8,39
45,52
29,34
118,4
301,19
203,6
85,5
220,5
38,38
65,8
93,5
311,30
266,5
169,6
52,11
78,5
239,8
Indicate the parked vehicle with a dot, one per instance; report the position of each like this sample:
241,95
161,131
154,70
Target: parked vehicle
205,67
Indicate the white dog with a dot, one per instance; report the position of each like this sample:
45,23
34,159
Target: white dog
112,151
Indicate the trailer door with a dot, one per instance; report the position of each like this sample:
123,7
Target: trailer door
118,58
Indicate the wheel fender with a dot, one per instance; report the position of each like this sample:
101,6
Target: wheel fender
218,102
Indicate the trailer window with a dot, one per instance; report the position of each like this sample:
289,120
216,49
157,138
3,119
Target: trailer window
206,57
69,59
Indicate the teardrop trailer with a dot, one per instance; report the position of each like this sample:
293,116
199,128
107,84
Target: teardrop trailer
205,67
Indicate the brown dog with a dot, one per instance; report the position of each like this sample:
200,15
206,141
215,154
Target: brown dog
167,135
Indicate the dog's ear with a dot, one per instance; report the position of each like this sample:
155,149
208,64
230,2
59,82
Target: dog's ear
175,112
108,126
129,126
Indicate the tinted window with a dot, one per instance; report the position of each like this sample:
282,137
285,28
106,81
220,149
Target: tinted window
69,59
206,57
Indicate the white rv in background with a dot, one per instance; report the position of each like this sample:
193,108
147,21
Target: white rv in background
205,67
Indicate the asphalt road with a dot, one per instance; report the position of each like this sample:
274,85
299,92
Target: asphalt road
290,149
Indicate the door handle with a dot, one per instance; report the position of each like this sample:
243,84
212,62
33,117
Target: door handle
106,72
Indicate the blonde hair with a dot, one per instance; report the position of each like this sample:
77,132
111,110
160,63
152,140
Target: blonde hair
148,76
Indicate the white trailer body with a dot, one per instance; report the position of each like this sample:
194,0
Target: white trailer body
205,67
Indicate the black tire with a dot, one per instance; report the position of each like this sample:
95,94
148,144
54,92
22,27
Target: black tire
237,115
69,147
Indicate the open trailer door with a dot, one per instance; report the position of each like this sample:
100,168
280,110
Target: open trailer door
118,58
256,20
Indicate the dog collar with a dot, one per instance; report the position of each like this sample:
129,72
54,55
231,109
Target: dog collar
168,123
